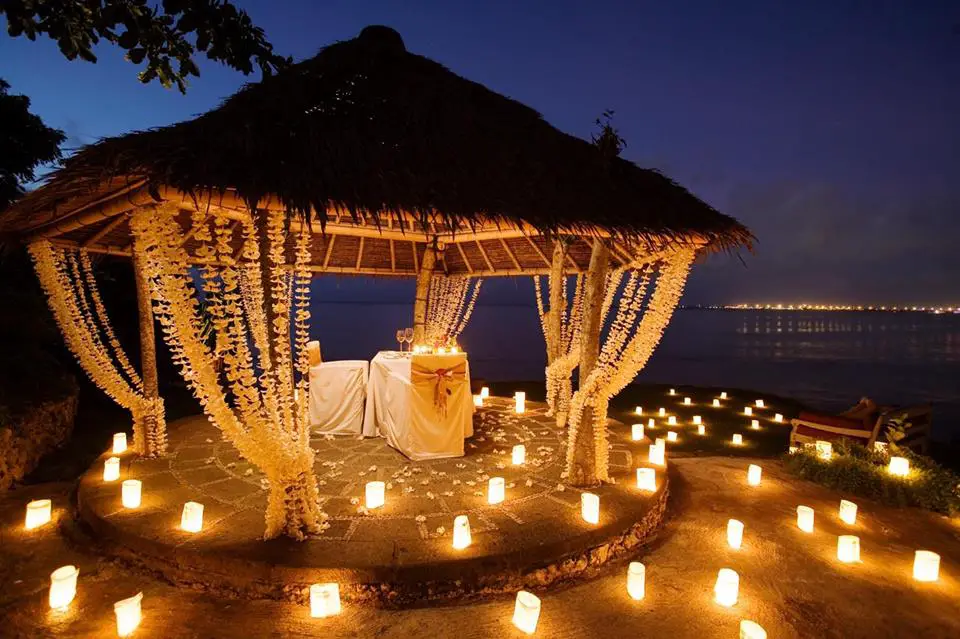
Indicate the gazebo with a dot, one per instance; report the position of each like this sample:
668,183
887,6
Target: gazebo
363,160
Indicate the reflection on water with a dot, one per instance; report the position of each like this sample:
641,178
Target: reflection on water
828,360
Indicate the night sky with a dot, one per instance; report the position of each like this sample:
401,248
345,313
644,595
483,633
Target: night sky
832,129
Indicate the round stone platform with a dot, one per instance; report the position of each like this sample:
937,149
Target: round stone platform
401,553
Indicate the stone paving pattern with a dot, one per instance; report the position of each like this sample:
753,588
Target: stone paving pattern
409,539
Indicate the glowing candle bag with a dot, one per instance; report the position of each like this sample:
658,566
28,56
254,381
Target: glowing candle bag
375,494
655,454
519,454
848,549
119,443
590,507
727,587
111,469
520,401
128,614
38,513
735,534
191,519
647,479
899,466
495,490
130,493
824,450
848,512
63,586
926,566
636,580
324,600
461,532
754,473
526,612
805,518
751,630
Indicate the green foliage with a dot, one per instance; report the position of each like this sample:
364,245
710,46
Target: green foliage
165,36
856,470
26,142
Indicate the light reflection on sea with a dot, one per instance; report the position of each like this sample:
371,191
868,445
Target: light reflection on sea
826,359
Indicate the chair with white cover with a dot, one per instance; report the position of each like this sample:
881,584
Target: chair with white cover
439,408
337,393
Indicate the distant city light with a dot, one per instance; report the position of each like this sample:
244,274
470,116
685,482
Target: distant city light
810,306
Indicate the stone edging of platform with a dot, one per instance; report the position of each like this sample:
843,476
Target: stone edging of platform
230,578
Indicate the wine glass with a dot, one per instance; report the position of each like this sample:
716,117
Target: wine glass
400,336
408,335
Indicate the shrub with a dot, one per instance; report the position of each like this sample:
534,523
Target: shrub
856,470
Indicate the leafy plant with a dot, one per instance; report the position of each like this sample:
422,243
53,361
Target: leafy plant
857,470
26,142
165,36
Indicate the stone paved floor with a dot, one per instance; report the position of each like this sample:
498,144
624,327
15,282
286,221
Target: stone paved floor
539,520
791,582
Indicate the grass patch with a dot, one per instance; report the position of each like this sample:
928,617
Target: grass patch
856,470
771,440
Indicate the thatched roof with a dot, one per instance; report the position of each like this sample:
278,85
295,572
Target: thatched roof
368,135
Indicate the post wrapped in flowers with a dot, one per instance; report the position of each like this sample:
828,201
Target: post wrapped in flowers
265,420
631,339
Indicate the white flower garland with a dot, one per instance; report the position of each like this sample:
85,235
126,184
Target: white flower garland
263,420
448,310
627,349
61,281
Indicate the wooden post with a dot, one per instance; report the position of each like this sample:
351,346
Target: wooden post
424,275
144,438
555,314
584,471
553,325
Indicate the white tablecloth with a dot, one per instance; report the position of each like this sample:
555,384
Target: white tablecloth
409,426
337,393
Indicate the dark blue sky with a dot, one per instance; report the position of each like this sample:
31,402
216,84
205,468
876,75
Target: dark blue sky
832,129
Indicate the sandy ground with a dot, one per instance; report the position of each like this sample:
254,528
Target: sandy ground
791,582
